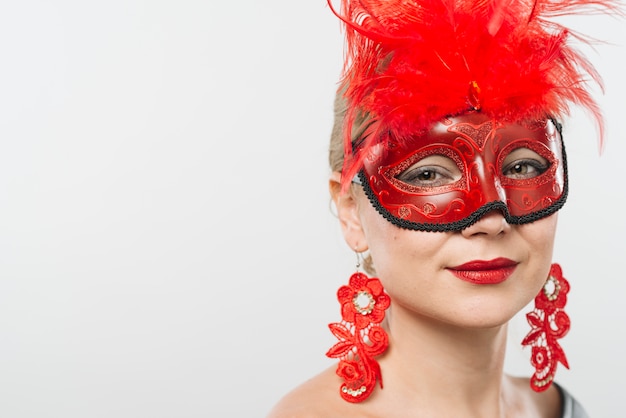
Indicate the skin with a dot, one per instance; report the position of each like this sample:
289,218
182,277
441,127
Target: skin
447,337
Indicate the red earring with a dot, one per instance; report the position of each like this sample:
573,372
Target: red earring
549,323
361,338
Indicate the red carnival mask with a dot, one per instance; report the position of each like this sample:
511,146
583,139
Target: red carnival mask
465,167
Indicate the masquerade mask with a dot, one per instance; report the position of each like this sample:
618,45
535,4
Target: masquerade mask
464,167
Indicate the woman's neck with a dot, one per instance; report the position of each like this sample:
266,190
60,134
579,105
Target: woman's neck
437,365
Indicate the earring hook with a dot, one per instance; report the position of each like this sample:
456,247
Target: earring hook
359,257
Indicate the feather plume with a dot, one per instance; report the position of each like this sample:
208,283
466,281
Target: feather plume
409,63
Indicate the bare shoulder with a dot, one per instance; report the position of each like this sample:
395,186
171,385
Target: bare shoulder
317,397
545,404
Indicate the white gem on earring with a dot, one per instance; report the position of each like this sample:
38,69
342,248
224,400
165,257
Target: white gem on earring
551,288
354,392
364,302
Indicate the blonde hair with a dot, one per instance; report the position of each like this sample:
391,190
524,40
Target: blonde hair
336,151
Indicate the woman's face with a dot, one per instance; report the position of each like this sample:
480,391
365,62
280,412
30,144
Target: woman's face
493,189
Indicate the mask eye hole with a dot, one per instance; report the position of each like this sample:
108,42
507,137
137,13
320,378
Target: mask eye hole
432,171
523,164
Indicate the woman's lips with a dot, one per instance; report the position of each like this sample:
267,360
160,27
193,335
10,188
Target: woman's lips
485,272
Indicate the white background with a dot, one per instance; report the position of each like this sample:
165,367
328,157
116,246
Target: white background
167,247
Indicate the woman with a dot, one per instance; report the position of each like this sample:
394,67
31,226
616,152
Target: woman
448,169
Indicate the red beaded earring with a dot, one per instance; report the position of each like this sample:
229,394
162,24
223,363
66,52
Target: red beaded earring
363,303
549,323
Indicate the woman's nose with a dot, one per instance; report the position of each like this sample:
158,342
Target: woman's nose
491,223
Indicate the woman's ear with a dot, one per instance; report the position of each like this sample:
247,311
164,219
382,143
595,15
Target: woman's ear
348,214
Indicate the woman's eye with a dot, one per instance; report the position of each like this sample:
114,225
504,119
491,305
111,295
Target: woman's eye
524,164
524,170
431,172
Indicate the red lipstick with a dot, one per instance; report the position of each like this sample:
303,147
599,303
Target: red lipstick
485,272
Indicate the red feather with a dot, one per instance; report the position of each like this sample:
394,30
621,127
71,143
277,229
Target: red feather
410,63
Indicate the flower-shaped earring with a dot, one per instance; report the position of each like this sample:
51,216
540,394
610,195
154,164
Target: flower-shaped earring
363,303
549,323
